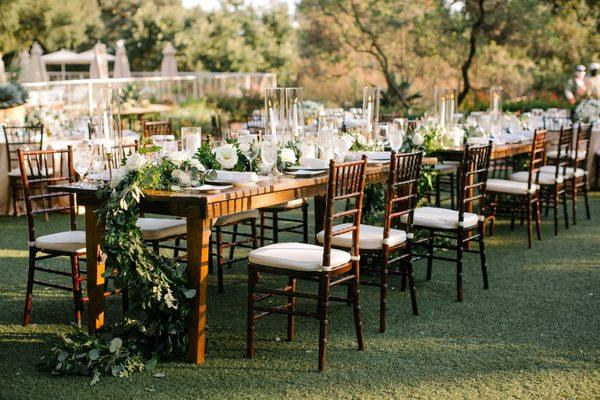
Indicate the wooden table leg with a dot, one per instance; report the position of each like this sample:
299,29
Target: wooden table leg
95,269
319,212
198,237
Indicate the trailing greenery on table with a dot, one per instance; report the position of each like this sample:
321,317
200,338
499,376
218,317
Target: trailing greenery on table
157,289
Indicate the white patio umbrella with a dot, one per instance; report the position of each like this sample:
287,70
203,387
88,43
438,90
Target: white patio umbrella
121,67
168,66
2,70
99,65
35,69
23,66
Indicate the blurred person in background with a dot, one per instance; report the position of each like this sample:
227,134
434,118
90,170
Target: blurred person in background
576,86
593,82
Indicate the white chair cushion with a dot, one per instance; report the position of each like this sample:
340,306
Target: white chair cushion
161,228
510,187
554,154
445,169
287,205
237,217
70,242
296,256
550,169
17,172
370,238
545,179
442,218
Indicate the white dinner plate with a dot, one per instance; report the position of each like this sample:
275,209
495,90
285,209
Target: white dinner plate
211,188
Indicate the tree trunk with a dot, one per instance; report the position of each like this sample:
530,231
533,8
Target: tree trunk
472,50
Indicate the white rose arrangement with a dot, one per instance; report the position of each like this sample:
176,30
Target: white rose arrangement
226,155
287,156
135,162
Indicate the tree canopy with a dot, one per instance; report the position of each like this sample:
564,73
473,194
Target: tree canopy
334,47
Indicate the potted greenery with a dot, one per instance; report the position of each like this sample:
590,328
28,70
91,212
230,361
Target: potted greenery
12,100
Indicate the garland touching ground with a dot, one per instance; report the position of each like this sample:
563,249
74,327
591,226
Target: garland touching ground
159,298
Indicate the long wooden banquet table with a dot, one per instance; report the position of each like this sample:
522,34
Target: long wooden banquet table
499,151
199,210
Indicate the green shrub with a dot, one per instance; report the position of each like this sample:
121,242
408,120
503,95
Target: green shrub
12,95
238,108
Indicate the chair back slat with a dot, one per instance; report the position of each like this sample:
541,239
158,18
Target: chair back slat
536,157
40,169
582,144
563,151
121,152
152,128
346,182
28,137
473,177
402,190
556,123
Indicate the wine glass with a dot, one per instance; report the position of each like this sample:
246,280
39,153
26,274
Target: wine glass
82,160
250,147
341,146
191,138
396,132
268,153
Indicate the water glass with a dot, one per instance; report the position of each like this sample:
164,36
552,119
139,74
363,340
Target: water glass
268,153
191,137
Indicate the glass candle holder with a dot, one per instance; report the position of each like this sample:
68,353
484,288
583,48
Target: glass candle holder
293,110
370,110
107,115
275,120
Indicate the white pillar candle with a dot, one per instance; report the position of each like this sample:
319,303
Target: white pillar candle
192,144
443,111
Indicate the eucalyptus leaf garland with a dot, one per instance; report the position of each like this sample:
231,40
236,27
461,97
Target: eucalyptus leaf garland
159,297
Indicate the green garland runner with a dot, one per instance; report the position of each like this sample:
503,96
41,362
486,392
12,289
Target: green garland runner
159,298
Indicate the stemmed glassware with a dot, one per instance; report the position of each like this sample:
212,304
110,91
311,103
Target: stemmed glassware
268,153
341,146
396,132
82,157
191,138
250,147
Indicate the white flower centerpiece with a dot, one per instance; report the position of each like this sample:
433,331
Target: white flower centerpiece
188,171
227,155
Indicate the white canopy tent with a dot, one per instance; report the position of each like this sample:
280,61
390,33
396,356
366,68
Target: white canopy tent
121,66
168,66
65,57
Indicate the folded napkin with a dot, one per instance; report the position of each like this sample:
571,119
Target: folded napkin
371,155
478,140
355,123
313,163
234,176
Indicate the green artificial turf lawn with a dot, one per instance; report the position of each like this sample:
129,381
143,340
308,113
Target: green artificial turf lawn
534,334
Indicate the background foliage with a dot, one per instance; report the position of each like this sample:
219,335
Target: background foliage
334,47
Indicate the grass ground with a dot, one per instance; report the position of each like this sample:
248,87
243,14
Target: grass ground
534,334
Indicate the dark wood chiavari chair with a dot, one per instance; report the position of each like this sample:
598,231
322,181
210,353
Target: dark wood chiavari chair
327,266
280,224
152,128
41,168
19,137
459,225
552,178
395,237
578,174
513,198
